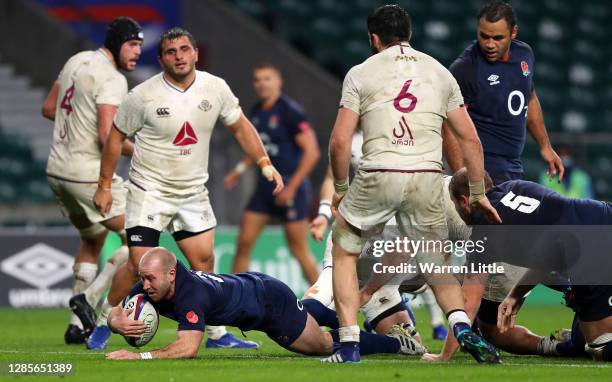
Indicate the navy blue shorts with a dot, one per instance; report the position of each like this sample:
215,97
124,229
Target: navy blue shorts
285,316
592,302
262,201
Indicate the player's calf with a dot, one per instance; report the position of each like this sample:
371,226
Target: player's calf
601,348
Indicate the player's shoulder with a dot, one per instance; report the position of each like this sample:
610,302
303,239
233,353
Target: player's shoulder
521,47
209,79
290,104
466,59
147,89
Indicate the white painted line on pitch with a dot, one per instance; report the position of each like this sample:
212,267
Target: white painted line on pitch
293,358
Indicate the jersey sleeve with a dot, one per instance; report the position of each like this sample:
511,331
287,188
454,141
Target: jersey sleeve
190,315
230,108
111,91
455,98
350,93
130,115
465,76
297,121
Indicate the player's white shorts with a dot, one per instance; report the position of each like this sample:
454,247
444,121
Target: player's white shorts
499,284
153,210
415,199
77,198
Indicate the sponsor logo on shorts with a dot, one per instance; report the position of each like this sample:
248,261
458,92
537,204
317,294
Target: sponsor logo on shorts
610,301
136,238
150,218
300,306
192,317
162,112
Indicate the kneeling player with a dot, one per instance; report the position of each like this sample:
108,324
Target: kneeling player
249,301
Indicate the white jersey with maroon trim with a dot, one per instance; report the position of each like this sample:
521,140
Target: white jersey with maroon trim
172,130
87,79
402,96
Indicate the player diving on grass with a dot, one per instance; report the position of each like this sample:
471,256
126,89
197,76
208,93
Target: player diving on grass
556,234
249,301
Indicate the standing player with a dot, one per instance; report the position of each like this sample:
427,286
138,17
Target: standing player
249,301
82,103
399,97
293,149
550,246
171,116
495,75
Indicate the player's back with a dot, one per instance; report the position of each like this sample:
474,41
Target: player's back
216,299
87,79
402,96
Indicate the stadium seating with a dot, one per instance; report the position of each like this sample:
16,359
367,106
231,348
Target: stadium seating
570,39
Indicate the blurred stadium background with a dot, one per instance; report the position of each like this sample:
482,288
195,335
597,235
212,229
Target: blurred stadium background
314,43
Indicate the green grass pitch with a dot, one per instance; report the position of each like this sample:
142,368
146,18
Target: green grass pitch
37,336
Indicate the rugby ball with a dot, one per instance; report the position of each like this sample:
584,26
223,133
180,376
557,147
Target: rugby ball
142,310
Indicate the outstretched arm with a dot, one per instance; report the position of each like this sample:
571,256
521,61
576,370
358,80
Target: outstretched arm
186,345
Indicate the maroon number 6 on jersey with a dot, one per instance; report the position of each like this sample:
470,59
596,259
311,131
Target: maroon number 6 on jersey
404,94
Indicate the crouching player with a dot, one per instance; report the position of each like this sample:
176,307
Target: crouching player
574,250
249,301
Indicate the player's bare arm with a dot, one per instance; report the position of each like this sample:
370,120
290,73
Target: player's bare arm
106,114
233,177
340,150
251,144
462,126
110,155
320,223
185,346
50,103
537,130
451,149
509,308
473,289
307,141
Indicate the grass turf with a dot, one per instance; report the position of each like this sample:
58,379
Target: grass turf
36,336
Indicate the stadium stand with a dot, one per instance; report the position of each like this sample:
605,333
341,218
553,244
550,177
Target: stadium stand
573,70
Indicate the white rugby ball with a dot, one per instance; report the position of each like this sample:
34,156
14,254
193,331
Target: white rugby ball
142,310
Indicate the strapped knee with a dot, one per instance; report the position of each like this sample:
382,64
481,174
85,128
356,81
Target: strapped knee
346,239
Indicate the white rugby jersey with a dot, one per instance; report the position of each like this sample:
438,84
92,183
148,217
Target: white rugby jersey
172,130
402,96
87,79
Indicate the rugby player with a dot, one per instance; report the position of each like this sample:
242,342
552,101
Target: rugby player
82,103
249,301
400,97
575,250
171,117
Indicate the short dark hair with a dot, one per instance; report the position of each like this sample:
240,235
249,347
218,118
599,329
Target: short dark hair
497,10
391,23
173,34
267,65
459,184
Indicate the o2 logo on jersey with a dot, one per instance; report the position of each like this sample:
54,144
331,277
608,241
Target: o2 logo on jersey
404,102
520,203
521,103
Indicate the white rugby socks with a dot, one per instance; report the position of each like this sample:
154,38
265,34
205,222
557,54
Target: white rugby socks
94,292
215,332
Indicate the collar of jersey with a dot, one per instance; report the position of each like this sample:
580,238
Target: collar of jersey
179,90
